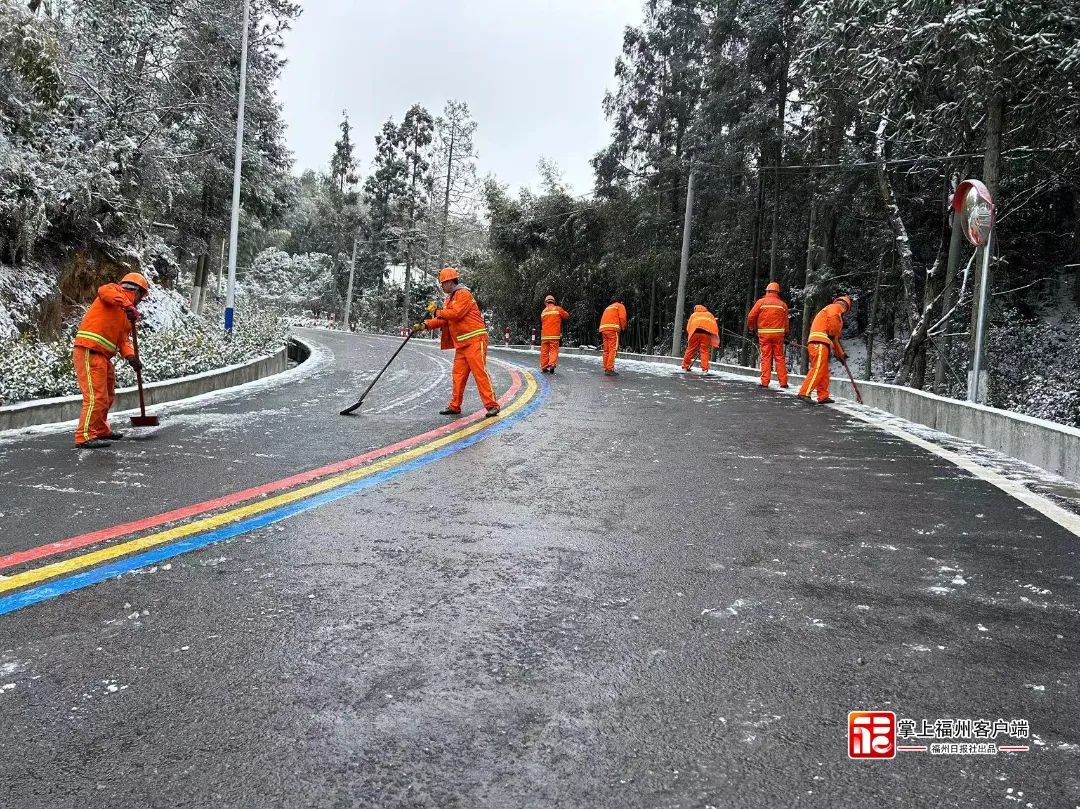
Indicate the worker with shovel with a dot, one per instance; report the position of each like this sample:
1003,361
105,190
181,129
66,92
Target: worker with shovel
104,331
824,337
464,330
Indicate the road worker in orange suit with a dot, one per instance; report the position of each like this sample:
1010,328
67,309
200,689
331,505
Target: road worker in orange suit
703,336
612,323
769,318
463,329
104,331
551,322
824,337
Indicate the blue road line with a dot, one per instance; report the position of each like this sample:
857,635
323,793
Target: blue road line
78,581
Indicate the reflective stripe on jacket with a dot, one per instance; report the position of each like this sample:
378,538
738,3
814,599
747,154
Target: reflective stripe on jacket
105,327
551,320
827,325
459,319
769,315
614,318
702,319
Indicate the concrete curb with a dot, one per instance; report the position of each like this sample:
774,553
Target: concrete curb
1046,444
66,408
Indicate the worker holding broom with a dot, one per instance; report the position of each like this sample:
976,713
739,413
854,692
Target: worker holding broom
464,330
104,331
824,337
551,323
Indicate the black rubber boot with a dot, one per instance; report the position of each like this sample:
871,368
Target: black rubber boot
449,412
95,443
492,412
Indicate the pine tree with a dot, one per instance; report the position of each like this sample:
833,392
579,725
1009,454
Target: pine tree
343,163
414,136
454,169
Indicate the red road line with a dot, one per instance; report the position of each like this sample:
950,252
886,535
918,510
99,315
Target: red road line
104,534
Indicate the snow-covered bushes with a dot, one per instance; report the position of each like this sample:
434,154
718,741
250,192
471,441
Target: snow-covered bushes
172,343
22,291
1034,367
298,283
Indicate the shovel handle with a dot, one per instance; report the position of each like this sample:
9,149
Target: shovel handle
858,393
138,371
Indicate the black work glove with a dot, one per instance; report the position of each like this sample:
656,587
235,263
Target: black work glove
136,364
132,314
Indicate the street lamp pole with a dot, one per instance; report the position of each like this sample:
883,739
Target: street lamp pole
234,227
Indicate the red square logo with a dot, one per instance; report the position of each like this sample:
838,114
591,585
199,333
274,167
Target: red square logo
871,734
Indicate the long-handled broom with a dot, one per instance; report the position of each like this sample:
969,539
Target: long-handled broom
348,410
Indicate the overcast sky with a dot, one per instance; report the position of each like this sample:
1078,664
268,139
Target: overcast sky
533,72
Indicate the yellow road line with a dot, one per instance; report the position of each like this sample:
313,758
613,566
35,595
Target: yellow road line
86,560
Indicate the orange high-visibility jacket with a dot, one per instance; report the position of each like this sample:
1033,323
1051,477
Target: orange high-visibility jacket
105,328
551,320
703,319
614,318
769,315
827,325
459,319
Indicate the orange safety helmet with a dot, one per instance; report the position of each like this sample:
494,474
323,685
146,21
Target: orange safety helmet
448,274
549,299
773,287
845,299
138,280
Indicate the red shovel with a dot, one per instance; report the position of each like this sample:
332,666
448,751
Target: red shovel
141,420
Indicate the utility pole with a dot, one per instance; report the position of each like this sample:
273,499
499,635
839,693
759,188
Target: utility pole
684,261
352,274
446,199
234,228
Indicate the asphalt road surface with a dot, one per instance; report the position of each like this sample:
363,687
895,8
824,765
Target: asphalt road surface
650,590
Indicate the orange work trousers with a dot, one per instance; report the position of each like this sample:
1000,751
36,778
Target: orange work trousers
772,351
97,381
549,353
817,378
611,348
701,344
471,358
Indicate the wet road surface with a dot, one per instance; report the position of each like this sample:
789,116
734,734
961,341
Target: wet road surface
652,590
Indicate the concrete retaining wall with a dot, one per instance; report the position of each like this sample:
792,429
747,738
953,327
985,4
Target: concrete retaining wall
1050,446
66,408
